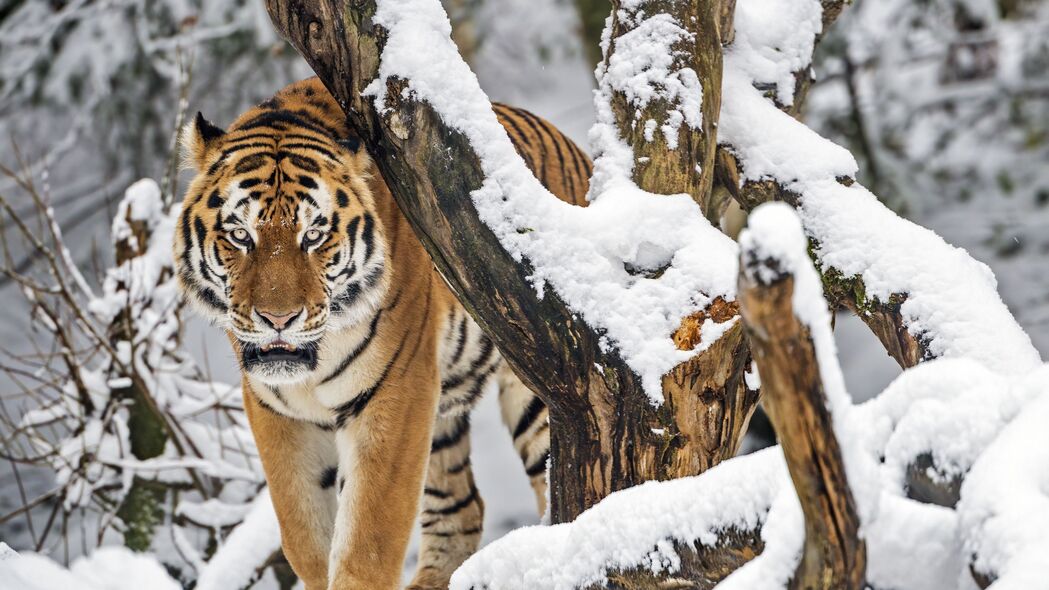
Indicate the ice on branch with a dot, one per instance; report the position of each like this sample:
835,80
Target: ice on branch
586,254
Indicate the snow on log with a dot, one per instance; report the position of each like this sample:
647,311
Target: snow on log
697,528
1004,506
922,297
789,328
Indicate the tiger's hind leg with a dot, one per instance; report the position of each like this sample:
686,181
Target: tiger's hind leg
525,416
452,510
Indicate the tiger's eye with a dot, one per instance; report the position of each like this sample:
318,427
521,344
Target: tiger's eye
313,235
241,235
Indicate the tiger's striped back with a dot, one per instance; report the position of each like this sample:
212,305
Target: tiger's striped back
555,159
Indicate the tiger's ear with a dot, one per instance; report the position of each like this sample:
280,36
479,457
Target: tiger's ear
197,138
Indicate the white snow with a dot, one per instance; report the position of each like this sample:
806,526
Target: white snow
245,550
108,568
635,527
582,254
1004,509
952,300
773,40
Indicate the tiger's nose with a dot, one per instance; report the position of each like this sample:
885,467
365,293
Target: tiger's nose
276,321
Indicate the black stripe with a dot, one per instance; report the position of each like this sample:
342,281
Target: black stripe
368,235
529,416
355,406
321,139
328,478
341,198
469,499
535,124
457,469
214,200
304,162
474,391
187,243
279,120
436,493
309,146
462,426
470,531
246,136
487,348
252,163
461,345
277,394
236,147
523,142
212,300
346,362
305,196
351,233
539,466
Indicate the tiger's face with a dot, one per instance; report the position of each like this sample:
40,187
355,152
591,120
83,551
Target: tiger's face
278,241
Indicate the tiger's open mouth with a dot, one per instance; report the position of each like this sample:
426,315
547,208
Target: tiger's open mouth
279,356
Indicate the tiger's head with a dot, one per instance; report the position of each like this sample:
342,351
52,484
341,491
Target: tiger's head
278,241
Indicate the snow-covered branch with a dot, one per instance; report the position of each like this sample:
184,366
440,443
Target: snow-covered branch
789,329
922,297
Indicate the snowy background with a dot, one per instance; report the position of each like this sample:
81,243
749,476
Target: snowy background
945,105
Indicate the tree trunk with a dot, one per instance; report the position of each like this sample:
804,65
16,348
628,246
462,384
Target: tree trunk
142,509
606,434
681,161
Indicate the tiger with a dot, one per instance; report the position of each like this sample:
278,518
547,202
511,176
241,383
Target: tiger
359,366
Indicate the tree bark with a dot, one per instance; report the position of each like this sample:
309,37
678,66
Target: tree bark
702,567
834,556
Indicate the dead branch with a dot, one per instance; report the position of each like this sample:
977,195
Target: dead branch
834,557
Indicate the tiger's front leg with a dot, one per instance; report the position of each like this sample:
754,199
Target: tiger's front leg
299,460
383,446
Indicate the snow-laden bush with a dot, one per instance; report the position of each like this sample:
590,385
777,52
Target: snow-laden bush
138,438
